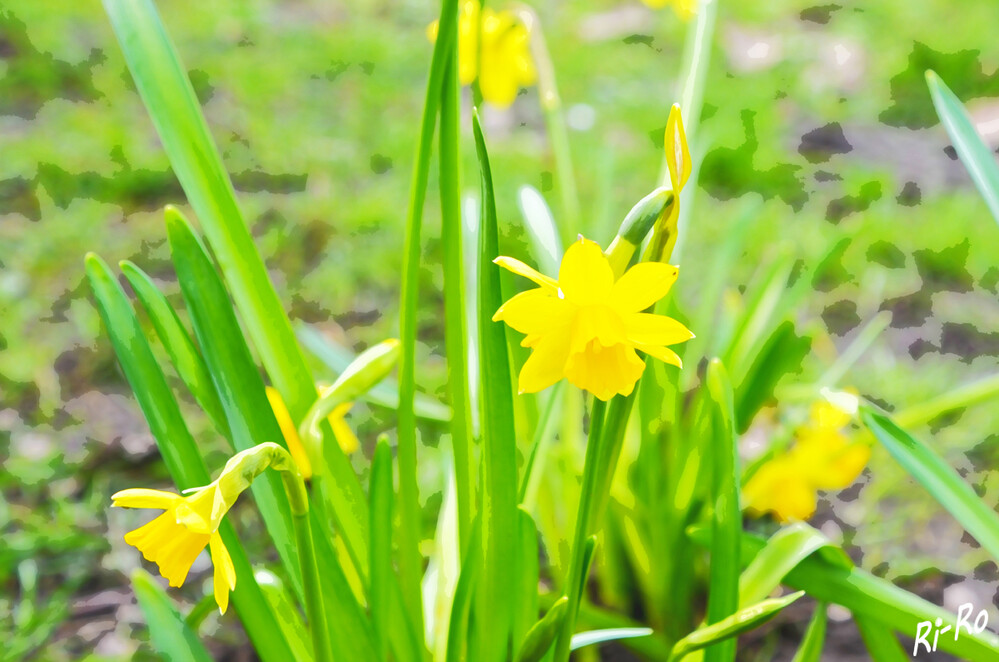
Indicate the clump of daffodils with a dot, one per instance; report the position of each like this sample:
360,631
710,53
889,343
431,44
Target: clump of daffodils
823,457
493,47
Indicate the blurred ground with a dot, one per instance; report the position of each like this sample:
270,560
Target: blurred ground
820,111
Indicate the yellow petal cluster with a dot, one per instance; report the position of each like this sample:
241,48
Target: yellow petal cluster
588,326
493,46
685,9
175,538
822,458
345,437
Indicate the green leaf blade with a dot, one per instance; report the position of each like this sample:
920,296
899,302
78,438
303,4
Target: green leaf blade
939,479
977,158
171,636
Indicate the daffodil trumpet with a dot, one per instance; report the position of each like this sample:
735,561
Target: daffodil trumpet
191,520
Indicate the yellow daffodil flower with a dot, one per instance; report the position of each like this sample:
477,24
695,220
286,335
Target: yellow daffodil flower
822,458
685,9
588,326
345,437
495,48
189,523
174,539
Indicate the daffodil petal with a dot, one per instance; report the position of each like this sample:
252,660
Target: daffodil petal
545,365
825,414
585,275
201,512
651,329
664,354
643,285
342,431
779,487
224,574
289,432
534,312
139,497
844,467
171,546
521,269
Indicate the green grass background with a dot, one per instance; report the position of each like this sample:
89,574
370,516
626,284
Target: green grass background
314,106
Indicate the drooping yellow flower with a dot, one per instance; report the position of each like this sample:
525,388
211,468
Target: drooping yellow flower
345,437
685,9
587,326
174,539
822,458
495,48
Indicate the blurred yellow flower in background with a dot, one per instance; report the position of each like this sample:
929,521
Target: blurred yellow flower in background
345,437
586,326
822,458
174,539
685,9
495,48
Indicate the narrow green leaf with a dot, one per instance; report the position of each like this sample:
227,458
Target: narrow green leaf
235,377
827,579
170,100
180,348
282,601
589,552
410,560
654,646
810,649
540,637
455,334
525,609
177,446
881,643
460,638
726,522
939,479
171,636
977,158
381,544
591,637
744,620
967,395
782,553
781,354
499,446
751,331
539,444
251,421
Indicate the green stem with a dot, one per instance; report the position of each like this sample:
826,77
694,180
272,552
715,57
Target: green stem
298,501
584,518
314,610
454,310
410,562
